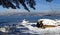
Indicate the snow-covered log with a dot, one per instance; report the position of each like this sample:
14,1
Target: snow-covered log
47,23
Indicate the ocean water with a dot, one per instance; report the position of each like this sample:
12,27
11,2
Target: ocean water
10,20
7,19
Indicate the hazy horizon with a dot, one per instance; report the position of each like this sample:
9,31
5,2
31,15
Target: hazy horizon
17,11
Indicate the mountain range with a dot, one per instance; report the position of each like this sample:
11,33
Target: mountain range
18,12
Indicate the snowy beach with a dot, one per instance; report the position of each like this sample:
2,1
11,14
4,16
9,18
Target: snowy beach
28,27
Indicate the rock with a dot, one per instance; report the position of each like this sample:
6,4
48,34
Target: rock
40,24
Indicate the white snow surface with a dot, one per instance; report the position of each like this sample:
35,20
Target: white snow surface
48,21
2,29
46,31
40,31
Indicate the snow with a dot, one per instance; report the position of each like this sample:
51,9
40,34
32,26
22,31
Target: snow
51,31
58,22
3,29
48,21
40,31
25,22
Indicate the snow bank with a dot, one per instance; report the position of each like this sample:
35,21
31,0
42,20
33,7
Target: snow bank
2,29
40,31
47,31
57,22
47,21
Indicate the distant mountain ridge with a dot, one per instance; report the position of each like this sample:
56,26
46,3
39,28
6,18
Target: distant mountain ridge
25,13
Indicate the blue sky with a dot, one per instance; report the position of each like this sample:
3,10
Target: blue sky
41,5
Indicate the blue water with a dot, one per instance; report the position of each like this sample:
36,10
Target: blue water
9,19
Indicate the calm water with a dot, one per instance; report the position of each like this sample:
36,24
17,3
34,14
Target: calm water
9,19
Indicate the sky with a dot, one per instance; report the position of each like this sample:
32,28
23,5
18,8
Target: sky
41,5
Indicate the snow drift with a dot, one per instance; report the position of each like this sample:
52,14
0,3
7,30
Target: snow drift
32,29
47,31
